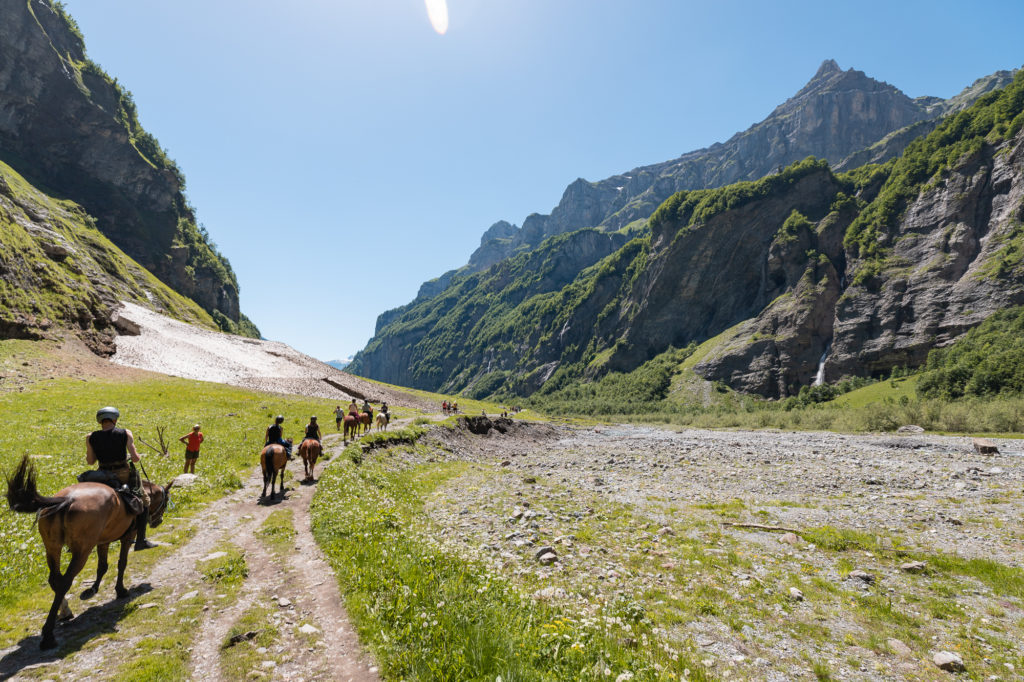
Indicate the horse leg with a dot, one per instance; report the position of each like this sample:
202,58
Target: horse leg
122,563
60,584
101,569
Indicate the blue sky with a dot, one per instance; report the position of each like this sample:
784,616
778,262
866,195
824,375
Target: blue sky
341,152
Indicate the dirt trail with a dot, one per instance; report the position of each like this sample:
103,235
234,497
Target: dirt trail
302,581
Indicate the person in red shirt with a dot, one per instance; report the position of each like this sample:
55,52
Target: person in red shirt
192,441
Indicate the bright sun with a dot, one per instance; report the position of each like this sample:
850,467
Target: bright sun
437,10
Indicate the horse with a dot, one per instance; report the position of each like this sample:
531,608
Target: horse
273,459
84,516
366,419
352,423
309,450
382,422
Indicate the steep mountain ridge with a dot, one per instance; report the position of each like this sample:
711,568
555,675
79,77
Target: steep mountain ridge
877,265
71,130
59,272
842,116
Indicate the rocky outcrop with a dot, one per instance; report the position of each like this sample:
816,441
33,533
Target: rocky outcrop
58,273
955,261
65,125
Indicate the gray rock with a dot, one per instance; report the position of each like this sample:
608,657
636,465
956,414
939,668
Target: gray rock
949,661
862,576
913,567
900,648
795,594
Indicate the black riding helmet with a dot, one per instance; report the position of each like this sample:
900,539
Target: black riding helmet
111,413
313,418
279,419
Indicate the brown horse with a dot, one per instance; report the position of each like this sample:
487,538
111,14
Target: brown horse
309,450
273,460
366,419
352,423
83,517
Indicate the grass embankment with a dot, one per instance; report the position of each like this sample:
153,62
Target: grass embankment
429,614
49,419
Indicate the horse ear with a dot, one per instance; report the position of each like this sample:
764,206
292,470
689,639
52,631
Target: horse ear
167,488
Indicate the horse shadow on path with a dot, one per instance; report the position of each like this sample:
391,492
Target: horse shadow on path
74,634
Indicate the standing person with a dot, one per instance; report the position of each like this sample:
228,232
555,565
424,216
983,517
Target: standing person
339,414
313,430
111,447
275,436
192,441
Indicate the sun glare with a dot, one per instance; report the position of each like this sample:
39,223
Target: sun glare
437,10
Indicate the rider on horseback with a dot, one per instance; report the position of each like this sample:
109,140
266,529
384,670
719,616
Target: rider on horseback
353,409
111,447
384,411
275,436
313,430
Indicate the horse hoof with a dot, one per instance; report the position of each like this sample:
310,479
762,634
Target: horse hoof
48,642
122,593
89,593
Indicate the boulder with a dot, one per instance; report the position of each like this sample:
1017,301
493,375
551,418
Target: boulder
948,661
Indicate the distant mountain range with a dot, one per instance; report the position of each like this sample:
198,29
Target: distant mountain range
788,265
340,364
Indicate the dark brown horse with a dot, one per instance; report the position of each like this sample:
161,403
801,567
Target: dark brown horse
83,517
273,459
309,451
352,423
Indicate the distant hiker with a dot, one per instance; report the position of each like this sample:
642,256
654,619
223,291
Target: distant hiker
455,408
339,414
192,439
111,447
313,430
275,436
444,406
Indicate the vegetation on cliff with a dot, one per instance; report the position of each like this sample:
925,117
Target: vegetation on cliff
988,361
137,195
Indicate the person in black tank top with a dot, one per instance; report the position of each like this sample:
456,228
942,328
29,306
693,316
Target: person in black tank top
275,436
114,449
313,430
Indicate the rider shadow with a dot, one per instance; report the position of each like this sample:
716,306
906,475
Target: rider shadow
310,482
72,634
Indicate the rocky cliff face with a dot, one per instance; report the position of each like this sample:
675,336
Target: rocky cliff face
867,270
59,273
66,125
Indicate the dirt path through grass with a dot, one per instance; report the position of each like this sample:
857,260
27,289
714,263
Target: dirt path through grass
288,597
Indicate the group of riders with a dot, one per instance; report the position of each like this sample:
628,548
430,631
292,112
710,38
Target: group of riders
449,407
113,449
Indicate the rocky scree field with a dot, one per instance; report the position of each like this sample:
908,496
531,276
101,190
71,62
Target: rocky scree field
695,554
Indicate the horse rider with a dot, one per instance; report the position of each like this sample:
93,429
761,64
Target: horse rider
353,409
384,411
313,430
339,414
112,447
368,408
275,436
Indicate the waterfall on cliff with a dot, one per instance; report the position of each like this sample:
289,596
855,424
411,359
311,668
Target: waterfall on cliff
819,378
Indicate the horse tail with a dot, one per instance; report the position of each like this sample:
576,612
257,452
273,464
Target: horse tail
22,495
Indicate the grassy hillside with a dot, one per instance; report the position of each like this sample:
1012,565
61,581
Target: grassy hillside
58,269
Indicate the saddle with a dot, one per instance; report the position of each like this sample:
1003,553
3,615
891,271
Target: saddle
131,500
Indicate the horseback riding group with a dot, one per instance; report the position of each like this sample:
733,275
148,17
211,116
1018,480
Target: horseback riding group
114,504
360,419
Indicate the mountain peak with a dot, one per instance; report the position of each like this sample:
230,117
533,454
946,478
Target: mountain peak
827,68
